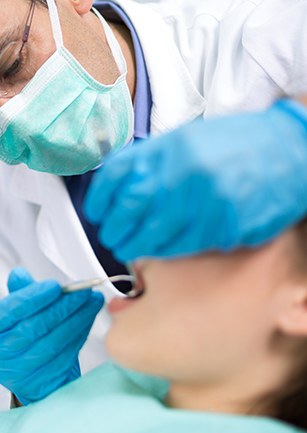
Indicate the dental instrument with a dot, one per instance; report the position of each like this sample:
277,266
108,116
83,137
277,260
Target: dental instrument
87,284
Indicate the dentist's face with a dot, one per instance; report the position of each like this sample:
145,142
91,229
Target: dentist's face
83,37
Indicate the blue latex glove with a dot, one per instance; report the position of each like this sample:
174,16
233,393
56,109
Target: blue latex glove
41,333
215,184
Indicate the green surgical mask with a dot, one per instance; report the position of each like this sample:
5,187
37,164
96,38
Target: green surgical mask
64,121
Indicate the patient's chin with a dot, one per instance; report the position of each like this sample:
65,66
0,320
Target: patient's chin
117,345
128,352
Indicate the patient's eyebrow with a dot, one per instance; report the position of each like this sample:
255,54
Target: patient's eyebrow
8,37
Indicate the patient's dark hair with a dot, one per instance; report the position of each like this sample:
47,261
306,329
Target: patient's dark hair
289,404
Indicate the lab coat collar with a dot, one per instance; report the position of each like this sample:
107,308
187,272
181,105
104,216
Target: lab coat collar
176,99
60,235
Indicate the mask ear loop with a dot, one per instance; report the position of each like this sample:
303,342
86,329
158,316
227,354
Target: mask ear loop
55,24
113,44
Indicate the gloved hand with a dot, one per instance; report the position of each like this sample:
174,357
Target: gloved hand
211,185
41,333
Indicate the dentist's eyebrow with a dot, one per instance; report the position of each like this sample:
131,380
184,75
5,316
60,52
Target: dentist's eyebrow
9,36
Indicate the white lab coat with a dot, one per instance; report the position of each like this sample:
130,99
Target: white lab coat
240,54
202,56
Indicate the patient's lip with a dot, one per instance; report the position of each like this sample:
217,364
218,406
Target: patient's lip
118,304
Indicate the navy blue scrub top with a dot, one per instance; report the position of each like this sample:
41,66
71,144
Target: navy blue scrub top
77,185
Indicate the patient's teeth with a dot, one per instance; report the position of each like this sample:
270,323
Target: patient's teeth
134,293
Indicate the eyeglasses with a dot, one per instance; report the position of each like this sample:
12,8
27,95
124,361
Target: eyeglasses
26,31
5,91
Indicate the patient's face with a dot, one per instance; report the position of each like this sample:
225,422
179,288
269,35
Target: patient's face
205,316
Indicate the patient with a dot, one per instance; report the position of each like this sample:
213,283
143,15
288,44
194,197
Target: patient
226,333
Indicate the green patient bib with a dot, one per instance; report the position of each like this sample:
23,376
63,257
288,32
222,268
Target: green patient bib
113,400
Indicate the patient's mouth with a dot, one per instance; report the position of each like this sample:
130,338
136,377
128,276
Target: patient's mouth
136,292
118,304
138,286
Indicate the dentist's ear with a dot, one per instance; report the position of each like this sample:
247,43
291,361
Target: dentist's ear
82,7
293,319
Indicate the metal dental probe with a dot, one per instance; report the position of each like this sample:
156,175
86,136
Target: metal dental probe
88,284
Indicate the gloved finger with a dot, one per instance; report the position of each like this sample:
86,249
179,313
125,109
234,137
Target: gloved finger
27,331
48,377
156,225
45,349
131,206
27,302
19,278
133,201
105,185
29,379
75,372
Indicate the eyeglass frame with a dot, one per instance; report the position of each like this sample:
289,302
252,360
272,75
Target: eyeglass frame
27,28
26,33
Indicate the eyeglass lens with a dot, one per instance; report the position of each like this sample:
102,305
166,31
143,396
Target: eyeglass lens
11,55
